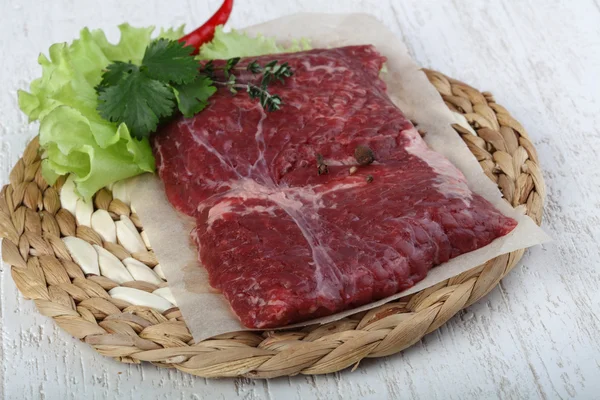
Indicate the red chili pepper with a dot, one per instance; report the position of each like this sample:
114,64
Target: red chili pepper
207,31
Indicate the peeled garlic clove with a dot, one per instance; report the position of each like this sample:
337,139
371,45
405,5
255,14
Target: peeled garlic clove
83,212
158,270
111,267
128,236
120,190
140,298
83,254
68,196
141,272
104,225
165,293
128,222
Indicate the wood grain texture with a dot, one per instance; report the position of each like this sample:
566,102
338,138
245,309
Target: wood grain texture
535,336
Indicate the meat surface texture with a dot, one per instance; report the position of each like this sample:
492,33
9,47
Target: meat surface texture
285,244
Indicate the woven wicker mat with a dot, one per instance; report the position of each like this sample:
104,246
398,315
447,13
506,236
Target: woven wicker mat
32,223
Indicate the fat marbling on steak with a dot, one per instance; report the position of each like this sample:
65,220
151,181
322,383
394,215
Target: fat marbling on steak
285,244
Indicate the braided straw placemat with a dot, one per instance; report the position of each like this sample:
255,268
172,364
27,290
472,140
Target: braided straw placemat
132,317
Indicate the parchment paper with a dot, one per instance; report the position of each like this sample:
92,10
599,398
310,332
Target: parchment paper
206,312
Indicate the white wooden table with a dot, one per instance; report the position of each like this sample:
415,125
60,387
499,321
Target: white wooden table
535,336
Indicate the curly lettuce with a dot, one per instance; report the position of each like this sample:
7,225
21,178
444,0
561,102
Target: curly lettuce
73,137
231,44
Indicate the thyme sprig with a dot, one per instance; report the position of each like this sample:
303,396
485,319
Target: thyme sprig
270,72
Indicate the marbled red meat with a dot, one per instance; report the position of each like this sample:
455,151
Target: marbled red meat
285,244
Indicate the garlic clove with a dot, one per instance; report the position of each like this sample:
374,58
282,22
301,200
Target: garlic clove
140,298
120,190
83,254
141,272
104,225
165,293
111,267
128,236
83,212
68,196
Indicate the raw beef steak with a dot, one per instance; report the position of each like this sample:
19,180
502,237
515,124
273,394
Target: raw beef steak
285,244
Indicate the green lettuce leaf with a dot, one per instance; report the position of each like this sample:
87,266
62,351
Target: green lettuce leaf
74,138
226,45
172,33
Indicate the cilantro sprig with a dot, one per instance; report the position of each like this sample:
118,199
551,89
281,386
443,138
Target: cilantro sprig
170,79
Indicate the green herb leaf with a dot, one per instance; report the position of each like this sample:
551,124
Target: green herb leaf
170,61
270,102
273,102
269,66
114,73
266,80
282,71
254,67
229,65
193,97
253,91
138,101
208,69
